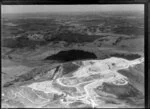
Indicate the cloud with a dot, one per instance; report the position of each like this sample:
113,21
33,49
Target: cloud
69,8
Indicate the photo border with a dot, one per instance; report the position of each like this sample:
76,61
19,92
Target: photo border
103,2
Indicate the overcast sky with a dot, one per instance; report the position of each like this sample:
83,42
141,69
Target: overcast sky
69,8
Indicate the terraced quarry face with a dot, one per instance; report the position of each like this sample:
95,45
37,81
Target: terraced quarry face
92,83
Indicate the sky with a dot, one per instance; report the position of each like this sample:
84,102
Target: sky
69,8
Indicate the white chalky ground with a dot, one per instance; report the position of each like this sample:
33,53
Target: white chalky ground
106,68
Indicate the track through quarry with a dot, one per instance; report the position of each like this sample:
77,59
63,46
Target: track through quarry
85,85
